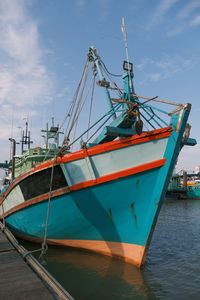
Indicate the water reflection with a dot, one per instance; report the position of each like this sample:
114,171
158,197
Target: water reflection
172,269
96,276
88,276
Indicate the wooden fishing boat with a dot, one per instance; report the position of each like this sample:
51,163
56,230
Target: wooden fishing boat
106,196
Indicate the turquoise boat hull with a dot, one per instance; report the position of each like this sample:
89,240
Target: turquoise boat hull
193,191
95,213
105,198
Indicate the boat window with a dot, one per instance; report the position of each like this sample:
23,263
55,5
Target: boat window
39,183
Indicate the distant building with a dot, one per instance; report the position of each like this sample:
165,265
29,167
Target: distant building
197,169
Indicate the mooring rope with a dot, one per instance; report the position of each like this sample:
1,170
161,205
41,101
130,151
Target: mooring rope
44,243
4,223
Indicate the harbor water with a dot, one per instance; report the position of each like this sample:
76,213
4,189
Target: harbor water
172,269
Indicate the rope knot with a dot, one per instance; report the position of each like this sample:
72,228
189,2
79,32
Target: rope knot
44,248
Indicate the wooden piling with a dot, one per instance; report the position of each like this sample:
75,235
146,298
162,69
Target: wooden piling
184,180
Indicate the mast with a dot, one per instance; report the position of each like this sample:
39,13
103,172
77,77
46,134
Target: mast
126,47
53,133
102,82
26,138
123,123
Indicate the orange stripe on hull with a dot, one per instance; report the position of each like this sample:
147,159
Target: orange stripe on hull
120,143
131,171
117,144
134,254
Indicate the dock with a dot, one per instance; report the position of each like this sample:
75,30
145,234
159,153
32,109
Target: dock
22,276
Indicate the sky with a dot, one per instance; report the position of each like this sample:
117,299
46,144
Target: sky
43,49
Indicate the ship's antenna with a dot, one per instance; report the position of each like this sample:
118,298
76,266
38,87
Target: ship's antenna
26,136
126,47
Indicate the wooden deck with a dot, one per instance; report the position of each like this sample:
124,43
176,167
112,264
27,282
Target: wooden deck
17,280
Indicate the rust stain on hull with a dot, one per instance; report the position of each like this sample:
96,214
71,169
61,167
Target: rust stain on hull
134,214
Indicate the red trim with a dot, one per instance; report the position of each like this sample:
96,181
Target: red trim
36,200
120,143
102,179
119,174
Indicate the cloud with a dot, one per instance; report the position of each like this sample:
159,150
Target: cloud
179,20
24,79
185,18
80,3
188,9
195,21
64,92
165,67
79,6
144,63
161,10
154,76
177,30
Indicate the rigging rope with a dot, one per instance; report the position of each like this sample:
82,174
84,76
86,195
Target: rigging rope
80,109
110,78
77,108
91,104
107,69
69,110
99,127
74,97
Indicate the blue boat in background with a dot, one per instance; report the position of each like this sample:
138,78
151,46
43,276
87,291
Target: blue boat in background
193,191
105,196
184,186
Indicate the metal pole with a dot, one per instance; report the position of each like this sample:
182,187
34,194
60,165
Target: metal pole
126,46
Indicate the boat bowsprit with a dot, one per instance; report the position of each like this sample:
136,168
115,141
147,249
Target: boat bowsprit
106,195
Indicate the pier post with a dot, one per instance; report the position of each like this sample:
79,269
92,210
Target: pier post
184,180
